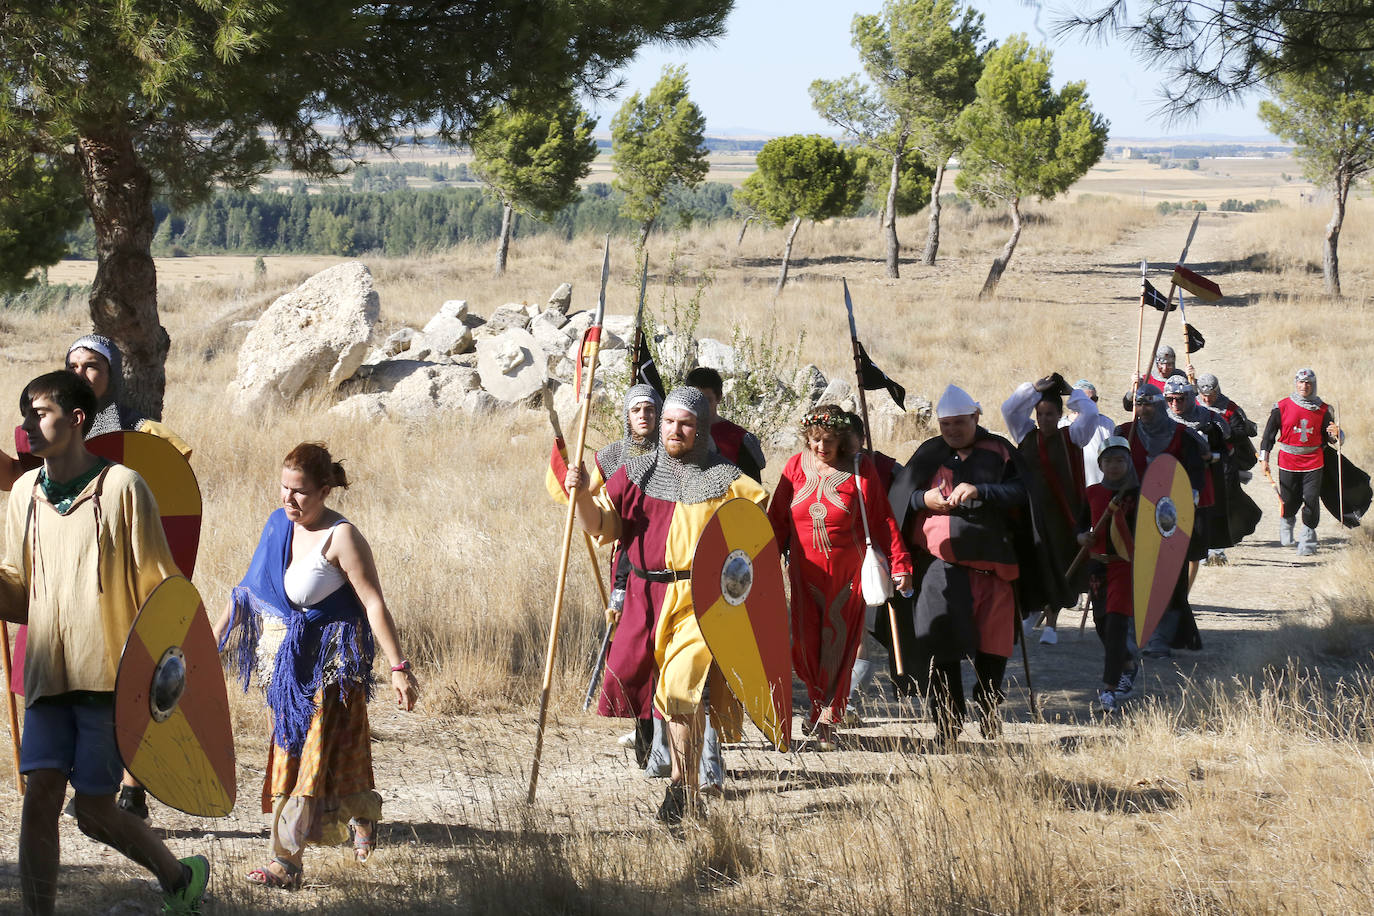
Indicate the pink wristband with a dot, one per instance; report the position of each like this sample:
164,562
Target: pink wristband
403,666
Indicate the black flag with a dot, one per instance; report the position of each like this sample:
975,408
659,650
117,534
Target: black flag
1195,338
874,378
1156,300
645,372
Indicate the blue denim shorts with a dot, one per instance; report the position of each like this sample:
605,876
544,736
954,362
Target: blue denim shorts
76,737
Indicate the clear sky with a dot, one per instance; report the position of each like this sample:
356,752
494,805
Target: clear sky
756,77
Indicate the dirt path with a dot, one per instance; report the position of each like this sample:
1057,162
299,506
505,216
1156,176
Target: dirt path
463,779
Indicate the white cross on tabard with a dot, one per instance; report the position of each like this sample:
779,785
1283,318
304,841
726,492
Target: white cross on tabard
1304,430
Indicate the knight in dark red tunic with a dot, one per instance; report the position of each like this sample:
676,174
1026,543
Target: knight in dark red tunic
1300,425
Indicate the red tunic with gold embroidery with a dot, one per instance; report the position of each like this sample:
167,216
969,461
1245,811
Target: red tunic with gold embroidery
815,516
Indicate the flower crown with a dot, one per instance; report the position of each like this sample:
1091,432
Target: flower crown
825,420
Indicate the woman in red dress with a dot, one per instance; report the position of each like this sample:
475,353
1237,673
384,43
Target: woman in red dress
816,518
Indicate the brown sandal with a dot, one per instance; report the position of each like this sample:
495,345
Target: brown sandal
363,845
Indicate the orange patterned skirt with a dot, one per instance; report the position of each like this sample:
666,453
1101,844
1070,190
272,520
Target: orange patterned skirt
333,772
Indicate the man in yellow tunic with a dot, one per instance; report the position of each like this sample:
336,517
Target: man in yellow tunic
657,506
84,548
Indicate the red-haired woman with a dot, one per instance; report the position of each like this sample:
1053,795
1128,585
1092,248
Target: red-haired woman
815,515
311,615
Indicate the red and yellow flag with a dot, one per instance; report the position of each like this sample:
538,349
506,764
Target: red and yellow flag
1196,284
558,471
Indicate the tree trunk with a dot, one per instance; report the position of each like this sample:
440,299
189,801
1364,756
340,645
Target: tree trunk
1002,260
787,255
1331,268
740,241
933,233
503,243
119,195
648,227
894,248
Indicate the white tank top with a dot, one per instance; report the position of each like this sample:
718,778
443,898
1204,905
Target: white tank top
311,578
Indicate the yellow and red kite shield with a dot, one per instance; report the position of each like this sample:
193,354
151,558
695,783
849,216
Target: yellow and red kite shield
741,608
171,705
168,474
1163,527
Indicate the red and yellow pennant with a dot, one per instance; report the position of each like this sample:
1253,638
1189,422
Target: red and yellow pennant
1196,284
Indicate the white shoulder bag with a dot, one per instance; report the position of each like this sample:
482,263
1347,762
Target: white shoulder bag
876,576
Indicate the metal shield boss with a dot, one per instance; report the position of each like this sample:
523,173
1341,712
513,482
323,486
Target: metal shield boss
171,705
741,607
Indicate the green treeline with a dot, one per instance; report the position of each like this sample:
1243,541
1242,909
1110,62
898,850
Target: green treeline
397,223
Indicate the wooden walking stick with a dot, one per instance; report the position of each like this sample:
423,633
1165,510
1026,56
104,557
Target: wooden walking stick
1340,469
592,343
13,708
868,443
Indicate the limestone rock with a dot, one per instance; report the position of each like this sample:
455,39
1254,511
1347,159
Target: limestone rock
454,308
550,318
313,337
622,326
716,355
809,384
512,365
578,322
480,403
835,392
365,407
561,300
507,317
554,341
446,334
399,342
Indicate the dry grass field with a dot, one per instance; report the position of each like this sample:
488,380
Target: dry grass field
1243,785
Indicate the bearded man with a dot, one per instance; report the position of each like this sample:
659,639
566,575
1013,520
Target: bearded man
657,506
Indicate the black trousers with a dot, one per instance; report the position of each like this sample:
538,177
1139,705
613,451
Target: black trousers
1302,488
942,686
1114,641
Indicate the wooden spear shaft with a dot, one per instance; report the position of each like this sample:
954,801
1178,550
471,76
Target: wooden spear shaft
868,441
13,708
593,340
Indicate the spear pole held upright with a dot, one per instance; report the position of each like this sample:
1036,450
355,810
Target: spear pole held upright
9,697
1140,324
591,548
868,442
638,337
591,351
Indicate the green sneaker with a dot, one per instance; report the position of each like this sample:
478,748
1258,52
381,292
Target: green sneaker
186,901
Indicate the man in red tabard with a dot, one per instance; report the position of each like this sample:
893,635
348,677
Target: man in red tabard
734,443
1301,425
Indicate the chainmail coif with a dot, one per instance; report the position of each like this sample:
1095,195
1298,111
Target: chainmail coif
611,457
696,477
112,417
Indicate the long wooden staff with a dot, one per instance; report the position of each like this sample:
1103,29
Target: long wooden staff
1140,324
591,548
868,443
592,341
13,708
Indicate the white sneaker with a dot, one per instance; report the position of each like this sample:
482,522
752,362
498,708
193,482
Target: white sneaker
1048,637
1107,699
626,740
1028,624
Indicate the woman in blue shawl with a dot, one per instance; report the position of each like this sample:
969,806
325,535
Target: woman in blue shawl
309,617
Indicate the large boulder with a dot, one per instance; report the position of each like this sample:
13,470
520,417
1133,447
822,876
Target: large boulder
716,355
447,333
313,337
407,388
511,315
809,384
513,365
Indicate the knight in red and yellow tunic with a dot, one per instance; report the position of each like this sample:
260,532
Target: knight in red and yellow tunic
816,518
